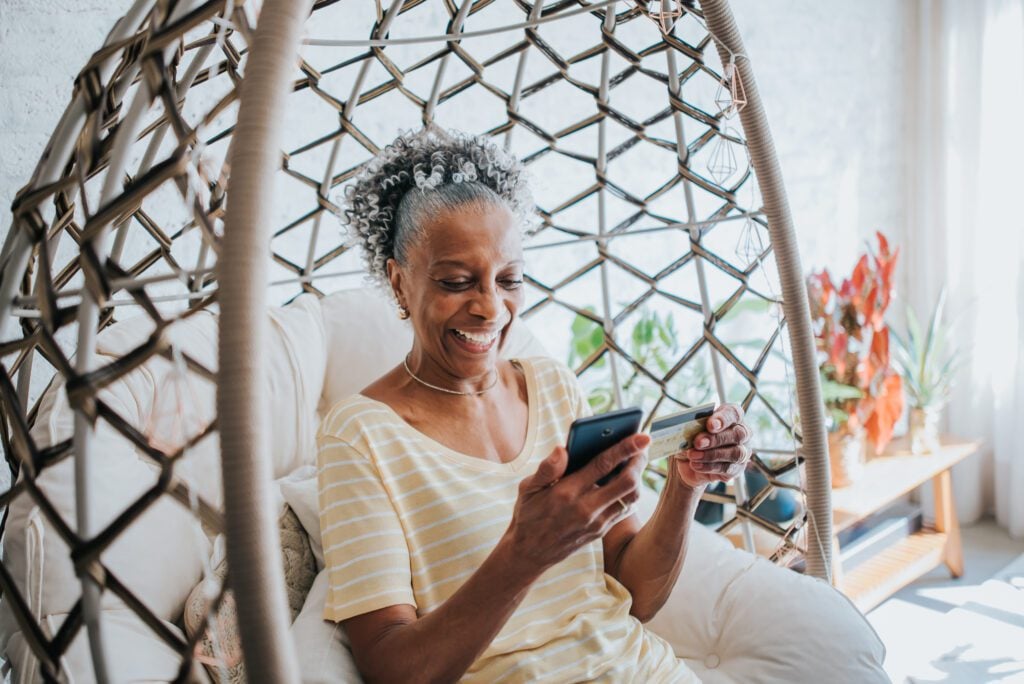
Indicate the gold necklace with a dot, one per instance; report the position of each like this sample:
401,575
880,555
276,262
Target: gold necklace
405,362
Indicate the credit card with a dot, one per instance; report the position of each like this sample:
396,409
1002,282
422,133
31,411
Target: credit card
673,433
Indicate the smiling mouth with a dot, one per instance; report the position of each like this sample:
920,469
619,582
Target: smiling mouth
482,340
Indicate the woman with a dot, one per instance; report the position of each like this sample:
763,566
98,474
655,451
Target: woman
455,547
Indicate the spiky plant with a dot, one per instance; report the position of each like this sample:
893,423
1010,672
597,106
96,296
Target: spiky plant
927,359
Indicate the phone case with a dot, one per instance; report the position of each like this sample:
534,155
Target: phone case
589,436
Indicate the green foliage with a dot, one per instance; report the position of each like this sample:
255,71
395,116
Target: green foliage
587,337
926,359
654,343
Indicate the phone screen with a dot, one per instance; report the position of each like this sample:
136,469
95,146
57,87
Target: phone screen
590,436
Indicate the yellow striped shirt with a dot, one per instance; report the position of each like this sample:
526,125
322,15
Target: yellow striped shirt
406,520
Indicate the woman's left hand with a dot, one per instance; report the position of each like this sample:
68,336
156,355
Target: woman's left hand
720,453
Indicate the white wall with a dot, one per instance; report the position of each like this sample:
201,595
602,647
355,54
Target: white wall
43,45
833,78
831,73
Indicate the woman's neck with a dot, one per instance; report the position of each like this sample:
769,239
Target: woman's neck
430,375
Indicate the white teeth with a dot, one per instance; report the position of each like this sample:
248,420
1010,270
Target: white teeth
477,339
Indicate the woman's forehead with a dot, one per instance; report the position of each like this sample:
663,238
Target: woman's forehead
470,234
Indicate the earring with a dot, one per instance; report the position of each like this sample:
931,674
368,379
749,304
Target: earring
403,313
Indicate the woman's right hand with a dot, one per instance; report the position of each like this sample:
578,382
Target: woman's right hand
556,515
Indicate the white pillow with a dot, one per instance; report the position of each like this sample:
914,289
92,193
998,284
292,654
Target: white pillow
299,490
156,557
736,617
134,653
365,339
159,556
322,647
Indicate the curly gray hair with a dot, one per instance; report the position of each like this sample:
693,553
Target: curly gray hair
421,174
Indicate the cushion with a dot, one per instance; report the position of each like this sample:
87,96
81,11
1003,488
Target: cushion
136,654
322,647
300,493
366,339
736,617
220,647
160,556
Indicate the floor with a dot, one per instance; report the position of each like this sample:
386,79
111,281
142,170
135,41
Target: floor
964,631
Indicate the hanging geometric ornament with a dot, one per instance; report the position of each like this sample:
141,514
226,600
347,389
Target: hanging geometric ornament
731,97
722,163
751,245
667,18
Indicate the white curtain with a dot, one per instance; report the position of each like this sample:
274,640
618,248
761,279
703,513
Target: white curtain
966,229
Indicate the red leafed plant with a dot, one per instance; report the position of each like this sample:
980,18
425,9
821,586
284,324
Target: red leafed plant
859,385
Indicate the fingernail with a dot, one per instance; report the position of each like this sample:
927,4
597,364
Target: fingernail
703,442
714,423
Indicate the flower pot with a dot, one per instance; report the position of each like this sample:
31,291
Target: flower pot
847,453
924,429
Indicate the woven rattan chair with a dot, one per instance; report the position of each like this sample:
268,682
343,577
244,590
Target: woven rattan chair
620,109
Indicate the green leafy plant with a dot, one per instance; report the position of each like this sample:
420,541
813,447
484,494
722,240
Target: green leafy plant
653,343
926,359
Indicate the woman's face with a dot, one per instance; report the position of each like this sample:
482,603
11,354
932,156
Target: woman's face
462,284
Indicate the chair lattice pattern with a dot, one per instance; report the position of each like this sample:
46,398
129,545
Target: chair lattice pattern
650,271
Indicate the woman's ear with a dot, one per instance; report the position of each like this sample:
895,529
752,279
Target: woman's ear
395,278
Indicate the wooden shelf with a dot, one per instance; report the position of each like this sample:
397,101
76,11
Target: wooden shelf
898,565
885,479
890,476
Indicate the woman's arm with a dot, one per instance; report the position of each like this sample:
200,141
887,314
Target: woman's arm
393,645
552,518
647,560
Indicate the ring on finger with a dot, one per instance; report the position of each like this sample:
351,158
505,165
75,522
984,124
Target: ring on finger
625,508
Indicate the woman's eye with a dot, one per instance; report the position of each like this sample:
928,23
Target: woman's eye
511,283
455,284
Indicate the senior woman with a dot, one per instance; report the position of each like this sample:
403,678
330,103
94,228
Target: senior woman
456,548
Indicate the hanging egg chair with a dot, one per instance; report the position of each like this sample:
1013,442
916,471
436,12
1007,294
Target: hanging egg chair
193,185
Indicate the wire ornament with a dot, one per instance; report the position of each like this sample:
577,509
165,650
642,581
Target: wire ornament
723,163
731,96
750,245
667,18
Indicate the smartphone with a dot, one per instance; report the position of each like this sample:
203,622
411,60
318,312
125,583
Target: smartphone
589,436
674,433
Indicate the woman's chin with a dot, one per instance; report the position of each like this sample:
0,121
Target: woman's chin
473,360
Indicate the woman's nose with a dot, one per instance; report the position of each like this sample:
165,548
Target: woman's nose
486,303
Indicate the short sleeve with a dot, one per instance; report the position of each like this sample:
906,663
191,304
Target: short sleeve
365,551
577,396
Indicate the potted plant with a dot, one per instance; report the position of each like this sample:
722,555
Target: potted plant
927,361
862,391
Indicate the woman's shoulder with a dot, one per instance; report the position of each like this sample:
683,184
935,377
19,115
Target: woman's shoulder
348,419
548,370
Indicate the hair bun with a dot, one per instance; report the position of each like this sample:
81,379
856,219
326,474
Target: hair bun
423,161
